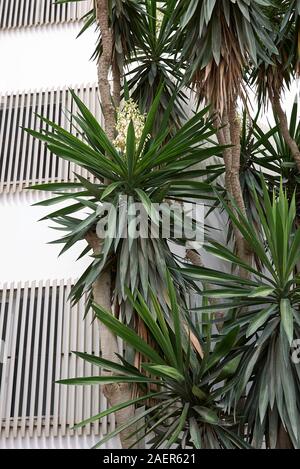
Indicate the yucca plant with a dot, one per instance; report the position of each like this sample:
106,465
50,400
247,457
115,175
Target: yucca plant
264,151
180,384
218,40
273,77
254,161
143,170
155,62
266,307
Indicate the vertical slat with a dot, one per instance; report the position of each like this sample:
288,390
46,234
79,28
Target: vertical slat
47,10
44,156
2,11
73,108
95,111
14,312
5,148
63,413
33,10
3,123
51,335
72,368
36,145
91,105
4,350
24,156
64,122
88,348
19,15
35,354
49,114
15,99
64,11
82,92
60,110
10,14
32,142
96,396
7,13
18,394
28,362
26,13
43,358
82,8
54,13
17,139
80,394
14,16
58,356
55,116
72,11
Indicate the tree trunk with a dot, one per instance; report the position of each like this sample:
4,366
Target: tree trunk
116,83
228,133
235,136
114,393
236,189
104,67
283,439
284,127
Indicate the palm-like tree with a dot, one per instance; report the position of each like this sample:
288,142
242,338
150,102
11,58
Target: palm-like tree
266,307
155,63
276,72
219,40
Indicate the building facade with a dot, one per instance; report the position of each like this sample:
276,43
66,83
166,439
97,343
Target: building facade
40,61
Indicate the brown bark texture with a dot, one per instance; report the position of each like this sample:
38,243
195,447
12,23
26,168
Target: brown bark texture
122,392
284,127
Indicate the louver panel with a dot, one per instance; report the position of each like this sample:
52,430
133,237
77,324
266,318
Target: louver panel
24,160
38,331
24,13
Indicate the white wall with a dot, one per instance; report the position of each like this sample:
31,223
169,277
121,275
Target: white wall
45,56
24,252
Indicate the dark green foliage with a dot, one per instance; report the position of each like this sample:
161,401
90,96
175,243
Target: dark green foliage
186,409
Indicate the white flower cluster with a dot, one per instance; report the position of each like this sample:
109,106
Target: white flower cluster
159,20
129,112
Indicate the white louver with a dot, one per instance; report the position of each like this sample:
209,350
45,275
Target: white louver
38,331
24,13
24,160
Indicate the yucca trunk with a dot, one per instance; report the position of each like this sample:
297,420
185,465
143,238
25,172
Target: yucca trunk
283,439
116,83
102,289
228,133
104,66
284,127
